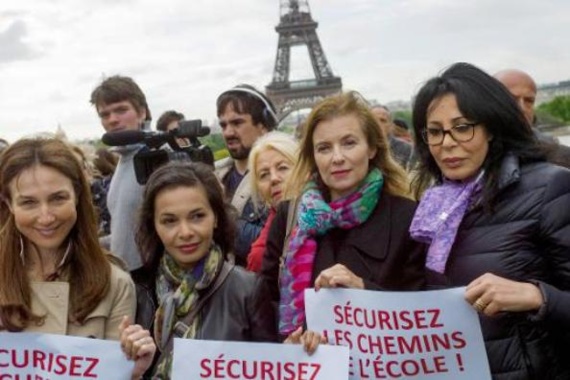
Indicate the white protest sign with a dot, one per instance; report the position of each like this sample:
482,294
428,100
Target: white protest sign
205,359
58,357
411,335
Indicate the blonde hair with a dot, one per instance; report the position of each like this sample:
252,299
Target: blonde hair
280,142
396,180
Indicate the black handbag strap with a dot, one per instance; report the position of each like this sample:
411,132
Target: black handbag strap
183,325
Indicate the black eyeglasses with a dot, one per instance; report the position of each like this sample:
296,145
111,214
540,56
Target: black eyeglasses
460,133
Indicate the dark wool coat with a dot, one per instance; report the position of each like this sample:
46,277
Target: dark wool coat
380,250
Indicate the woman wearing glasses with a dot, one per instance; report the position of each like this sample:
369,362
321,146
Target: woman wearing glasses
497,220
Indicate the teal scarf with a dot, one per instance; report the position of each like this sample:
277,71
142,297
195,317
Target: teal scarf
315,218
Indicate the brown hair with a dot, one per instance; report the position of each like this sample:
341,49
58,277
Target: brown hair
118,88
350,103
105,162
166,118
88,269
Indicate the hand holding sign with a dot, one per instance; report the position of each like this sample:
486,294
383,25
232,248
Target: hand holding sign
138,345
309,339
491,294
338,276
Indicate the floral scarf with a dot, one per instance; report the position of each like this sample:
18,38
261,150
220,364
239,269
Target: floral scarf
178,292
439,215
314,218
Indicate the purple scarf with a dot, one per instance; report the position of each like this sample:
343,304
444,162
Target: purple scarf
439,215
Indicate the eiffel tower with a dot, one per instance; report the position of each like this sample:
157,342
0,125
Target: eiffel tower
297,27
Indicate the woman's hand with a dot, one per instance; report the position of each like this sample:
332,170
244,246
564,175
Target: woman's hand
490,295
309,339
138,345
338,276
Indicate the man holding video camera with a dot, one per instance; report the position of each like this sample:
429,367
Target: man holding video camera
244,114
121,106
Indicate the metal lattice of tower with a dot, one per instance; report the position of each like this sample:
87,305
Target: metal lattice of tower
297,27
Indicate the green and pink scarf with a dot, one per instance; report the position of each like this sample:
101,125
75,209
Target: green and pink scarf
314,218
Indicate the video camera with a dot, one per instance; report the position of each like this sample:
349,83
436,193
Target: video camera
152,156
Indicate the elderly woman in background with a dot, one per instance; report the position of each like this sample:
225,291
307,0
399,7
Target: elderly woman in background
270,161
353,213
497,220
49,246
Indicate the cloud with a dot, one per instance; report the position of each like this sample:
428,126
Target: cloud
184,53
13,45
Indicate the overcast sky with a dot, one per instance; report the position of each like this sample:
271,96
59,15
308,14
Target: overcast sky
183,53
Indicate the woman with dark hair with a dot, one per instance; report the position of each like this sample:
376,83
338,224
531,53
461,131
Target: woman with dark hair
54,276
496,218
187,288
352,217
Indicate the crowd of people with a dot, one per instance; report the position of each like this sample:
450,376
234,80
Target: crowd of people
469,195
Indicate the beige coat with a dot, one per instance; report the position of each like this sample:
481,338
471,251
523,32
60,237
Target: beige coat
243,191
52,300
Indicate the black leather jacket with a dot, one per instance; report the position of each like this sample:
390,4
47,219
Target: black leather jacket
240,310
525,238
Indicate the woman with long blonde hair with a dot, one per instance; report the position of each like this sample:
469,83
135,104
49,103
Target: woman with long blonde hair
352,214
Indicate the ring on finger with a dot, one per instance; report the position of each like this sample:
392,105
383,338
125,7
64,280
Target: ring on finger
479,305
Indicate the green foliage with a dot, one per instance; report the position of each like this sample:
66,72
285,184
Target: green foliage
214,141
404,115
219,154
545,118
559,107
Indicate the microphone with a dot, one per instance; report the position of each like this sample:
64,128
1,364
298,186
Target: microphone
122,138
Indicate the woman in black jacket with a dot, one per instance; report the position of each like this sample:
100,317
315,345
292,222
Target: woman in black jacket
497,220
188,289
352,218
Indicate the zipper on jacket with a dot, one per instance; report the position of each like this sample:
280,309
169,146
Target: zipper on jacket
527,361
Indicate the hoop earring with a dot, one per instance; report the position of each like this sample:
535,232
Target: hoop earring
22,256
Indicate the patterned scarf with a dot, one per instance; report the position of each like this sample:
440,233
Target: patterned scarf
439,215
177,290
314,218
